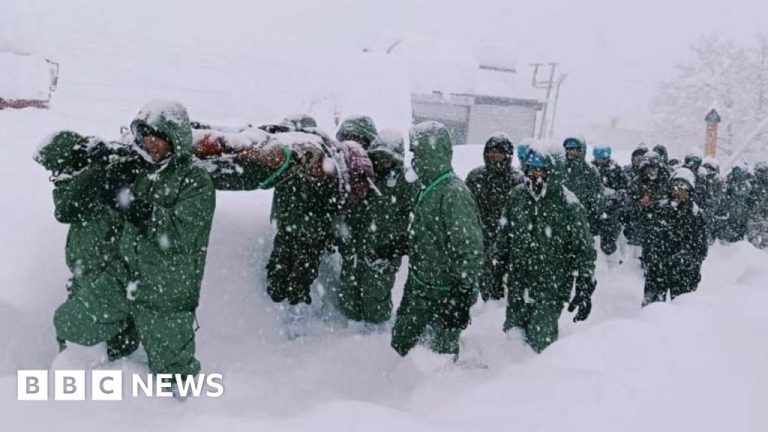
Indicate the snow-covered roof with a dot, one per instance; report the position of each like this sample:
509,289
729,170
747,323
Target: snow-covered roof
23,77
454,66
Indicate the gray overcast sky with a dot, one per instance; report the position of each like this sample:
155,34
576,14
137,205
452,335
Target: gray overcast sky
615,53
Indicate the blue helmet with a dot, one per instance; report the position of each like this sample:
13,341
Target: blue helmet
534,159
522,150
601,153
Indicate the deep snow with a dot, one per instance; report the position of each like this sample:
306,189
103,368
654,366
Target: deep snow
698,363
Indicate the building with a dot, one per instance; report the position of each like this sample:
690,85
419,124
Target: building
472,118
474,91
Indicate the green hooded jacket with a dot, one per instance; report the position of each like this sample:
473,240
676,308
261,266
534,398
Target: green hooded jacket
446,238
167,256
583,180
544,247
382,218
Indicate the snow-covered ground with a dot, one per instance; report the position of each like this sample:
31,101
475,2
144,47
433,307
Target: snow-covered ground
698,363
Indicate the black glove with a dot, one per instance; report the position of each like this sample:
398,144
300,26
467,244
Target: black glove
99,151
582,302
139,214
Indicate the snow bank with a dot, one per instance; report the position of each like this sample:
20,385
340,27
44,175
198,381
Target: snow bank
696,363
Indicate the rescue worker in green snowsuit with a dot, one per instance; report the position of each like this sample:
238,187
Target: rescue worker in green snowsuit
491,185
155,285
378,235
446,256
650,186
306,208
583,180
735,205
633,169
757,227
615,185
542,251
675,244
88,175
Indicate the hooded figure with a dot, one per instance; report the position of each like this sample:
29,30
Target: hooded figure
648,187
378,235
359,129
693,163
491,185
544,248
615,185
155,286
584,181
757,227
88,175
676,243
735,206
446,255
633,169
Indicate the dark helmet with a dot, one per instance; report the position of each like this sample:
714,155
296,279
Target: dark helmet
64,152
692,161
662,152
500,141
650,159
640,150
574,143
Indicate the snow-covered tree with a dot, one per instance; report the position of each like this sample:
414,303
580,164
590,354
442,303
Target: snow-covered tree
721,74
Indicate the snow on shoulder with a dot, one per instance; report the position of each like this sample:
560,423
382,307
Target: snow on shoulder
570,197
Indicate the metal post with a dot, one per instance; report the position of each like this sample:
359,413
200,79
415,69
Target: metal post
560,80
544,85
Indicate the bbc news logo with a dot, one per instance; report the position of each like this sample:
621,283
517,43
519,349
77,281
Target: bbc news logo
108,385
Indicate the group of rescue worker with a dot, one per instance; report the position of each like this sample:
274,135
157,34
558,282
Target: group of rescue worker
140,211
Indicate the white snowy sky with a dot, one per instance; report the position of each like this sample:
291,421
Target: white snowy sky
615,53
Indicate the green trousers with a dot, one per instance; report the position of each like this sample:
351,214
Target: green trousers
124,343
365,291
538,320
420,319
102,312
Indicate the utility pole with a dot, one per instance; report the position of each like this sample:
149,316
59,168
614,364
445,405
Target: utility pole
544,85
560,80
